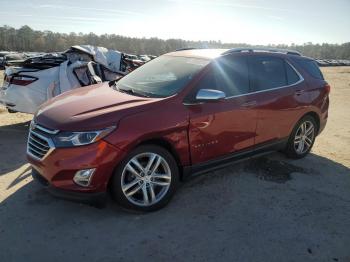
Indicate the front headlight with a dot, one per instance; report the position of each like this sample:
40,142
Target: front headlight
70,139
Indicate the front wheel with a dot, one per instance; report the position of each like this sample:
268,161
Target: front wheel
146,179
302,138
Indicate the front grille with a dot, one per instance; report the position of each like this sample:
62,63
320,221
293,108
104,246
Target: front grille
39,141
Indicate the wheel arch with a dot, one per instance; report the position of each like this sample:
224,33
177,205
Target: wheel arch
315,116
162,143
166,145
289,149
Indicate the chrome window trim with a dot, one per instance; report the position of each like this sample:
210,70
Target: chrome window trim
301,79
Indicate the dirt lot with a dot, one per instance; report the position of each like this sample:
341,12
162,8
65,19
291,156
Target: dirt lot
1,77
269,209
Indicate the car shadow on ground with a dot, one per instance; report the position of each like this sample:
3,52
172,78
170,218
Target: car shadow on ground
250,210
13,139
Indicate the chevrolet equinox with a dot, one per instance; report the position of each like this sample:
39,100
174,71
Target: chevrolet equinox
183,113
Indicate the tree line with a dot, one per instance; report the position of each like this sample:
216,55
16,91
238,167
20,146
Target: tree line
29,40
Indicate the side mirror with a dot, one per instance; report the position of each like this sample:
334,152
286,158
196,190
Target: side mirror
210,95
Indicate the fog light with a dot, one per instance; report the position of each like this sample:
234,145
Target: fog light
83,177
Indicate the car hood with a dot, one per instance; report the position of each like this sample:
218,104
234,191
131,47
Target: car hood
89,108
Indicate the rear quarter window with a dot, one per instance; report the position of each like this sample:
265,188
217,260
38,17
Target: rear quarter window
311,67
292,76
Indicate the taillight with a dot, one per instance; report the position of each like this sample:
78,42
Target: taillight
327,87
22,80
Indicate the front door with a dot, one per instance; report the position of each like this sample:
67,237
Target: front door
219,128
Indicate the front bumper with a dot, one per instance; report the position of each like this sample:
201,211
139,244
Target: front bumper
58,168
98,198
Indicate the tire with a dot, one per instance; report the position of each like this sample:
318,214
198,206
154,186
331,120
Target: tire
140,184
294,149
11,111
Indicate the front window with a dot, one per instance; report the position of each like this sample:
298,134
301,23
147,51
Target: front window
229,75
161,77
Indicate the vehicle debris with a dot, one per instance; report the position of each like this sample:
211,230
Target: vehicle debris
30,82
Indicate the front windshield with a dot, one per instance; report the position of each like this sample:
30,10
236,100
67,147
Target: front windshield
161,77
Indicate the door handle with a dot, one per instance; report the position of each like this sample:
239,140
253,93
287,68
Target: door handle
299,92
249,104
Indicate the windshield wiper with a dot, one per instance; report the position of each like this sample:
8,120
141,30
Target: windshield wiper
113,85
131,92
128,91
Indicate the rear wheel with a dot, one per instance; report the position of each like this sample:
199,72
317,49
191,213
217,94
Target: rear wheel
302,138
146,179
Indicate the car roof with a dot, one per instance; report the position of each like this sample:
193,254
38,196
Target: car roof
199,53
214,53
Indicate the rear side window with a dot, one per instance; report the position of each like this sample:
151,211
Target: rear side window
292,76
311,67
227,74
270,72
267,73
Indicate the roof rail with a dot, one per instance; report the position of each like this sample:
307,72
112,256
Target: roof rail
253,49
187,48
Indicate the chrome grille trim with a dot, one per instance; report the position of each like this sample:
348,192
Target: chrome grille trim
36,141
37,152
39,145
49,131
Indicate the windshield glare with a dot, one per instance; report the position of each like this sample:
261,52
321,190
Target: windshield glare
163,76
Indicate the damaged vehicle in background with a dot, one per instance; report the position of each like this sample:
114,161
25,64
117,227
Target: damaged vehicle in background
37,79
133,61
2,55
11,59
145,58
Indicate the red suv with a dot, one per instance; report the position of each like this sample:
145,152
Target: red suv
183,113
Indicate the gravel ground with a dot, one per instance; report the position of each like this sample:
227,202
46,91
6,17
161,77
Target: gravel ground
267,209
1,77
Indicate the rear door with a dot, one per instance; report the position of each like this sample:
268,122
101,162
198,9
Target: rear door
226,126
278,90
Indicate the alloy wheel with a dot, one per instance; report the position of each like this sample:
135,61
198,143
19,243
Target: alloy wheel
304,137
145,179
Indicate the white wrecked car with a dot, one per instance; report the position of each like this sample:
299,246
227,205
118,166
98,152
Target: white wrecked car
38,79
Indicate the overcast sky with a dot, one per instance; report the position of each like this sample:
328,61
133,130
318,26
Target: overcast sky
235,21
